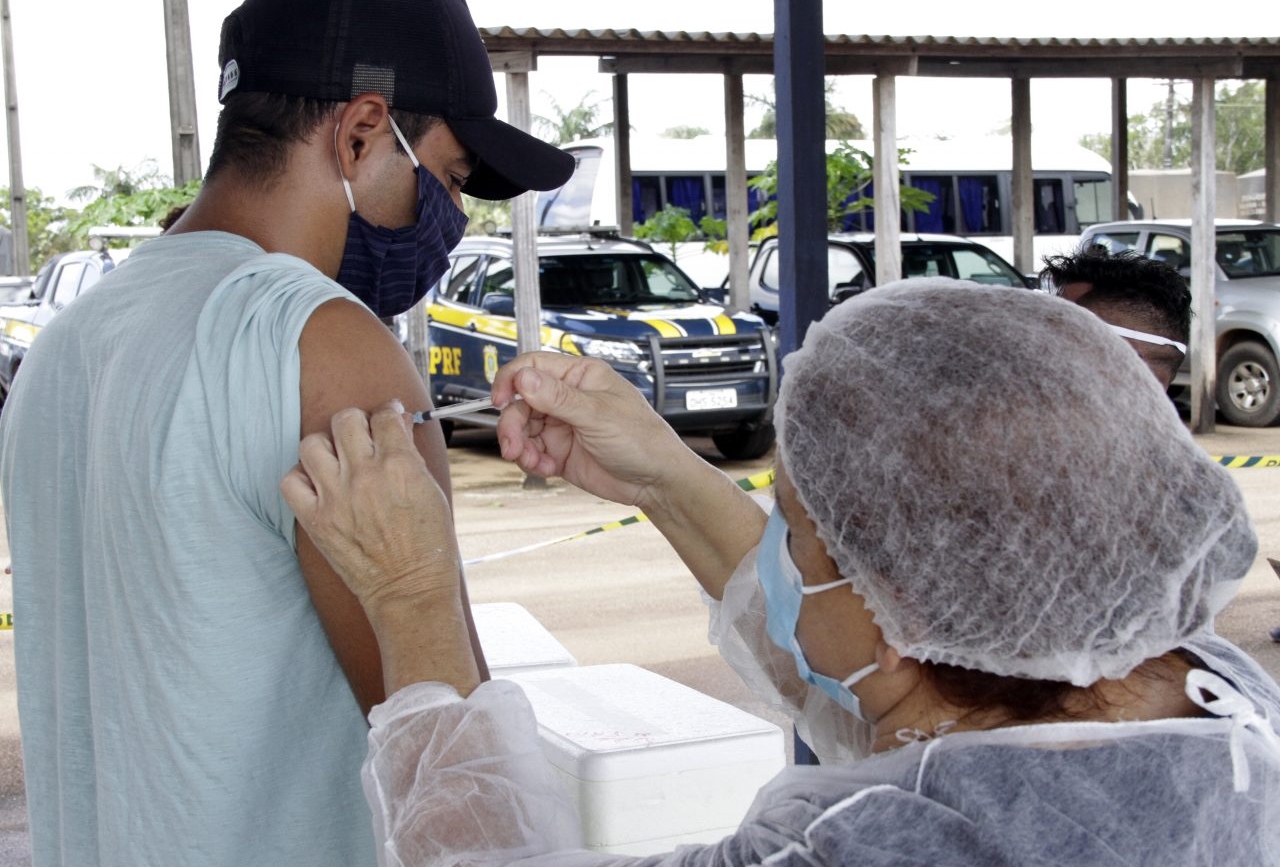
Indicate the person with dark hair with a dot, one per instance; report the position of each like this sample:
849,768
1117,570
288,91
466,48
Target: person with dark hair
1146,301
1003,597
193,677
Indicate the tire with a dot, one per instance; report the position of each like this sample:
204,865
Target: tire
744,444
446,428
1248,389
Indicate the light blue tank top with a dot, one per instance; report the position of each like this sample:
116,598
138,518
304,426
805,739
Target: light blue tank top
179,701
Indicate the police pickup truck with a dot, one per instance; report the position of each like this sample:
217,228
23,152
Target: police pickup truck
60,281
708,372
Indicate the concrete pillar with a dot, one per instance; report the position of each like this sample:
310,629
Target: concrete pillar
884,90
738,228
1203,208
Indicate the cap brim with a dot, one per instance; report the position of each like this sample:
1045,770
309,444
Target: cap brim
509,161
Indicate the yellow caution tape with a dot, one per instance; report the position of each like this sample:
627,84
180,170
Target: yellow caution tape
1236,462
751,483
759,480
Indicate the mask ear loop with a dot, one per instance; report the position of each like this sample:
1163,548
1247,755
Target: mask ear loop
404,144
346,185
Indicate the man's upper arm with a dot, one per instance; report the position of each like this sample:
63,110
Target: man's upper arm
349,358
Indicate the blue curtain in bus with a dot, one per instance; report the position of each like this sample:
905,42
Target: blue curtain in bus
860,221
973,205
645,196
688,193
933,219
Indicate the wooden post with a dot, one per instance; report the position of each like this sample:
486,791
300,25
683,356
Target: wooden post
1023,191
884,90
182,93
1119,149
622,153
1203,265
1271,150
737,227
524,230
17,193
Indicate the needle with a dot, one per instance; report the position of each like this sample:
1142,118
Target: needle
455,409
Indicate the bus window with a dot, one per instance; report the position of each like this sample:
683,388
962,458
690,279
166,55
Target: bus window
1050,210
1093,200
719,198
646,197
980,204
941,216
688,192
570,205
755,198
860,221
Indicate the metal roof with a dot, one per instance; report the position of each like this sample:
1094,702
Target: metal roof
630,50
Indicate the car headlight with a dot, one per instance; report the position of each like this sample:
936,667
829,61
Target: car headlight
21,332
618,351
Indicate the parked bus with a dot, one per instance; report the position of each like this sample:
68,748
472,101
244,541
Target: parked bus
970,179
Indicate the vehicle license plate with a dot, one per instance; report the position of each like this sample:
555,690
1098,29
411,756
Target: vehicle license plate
715,398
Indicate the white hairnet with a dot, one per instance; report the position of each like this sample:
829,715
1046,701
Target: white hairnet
1005,482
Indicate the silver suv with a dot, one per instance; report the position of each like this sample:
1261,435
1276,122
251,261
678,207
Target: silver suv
1246,301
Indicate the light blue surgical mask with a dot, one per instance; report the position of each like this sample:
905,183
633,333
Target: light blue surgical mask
784,589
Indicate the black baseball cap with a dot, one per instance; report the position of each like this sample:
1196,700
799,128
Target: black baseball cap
423,56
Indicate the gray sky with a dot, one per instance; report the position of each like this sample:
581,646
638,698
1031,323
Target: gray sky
92,85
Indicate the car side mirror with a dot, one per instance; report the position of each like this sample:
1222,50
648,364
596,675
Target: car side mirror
845,291
497,304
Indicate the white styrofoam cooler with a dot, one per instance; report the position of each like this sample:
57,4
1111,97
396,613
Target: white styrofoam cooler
514,641
650,762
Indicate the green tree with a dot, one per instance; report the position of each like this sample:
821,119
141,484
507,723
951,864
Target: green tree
716,234
120,182
671,226
685,131
579,122
143,207
850,171
1240,131
485,217
840,124
47,231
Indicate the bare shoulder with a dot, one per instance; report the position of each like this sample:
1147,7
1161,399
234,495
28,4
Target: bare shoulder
350,358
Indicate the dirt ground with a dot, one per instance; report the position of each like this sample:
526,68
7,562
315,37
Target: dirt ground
622,596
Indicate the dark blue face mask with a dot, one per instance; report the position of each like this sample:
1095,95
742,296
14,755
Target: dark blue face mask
390,270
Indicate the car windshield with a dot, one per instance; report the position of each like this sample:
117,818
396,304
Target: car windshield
612,279
961,261
1249,252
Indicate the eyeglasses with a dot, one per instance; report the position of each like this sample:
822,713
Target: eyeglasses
1148,338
